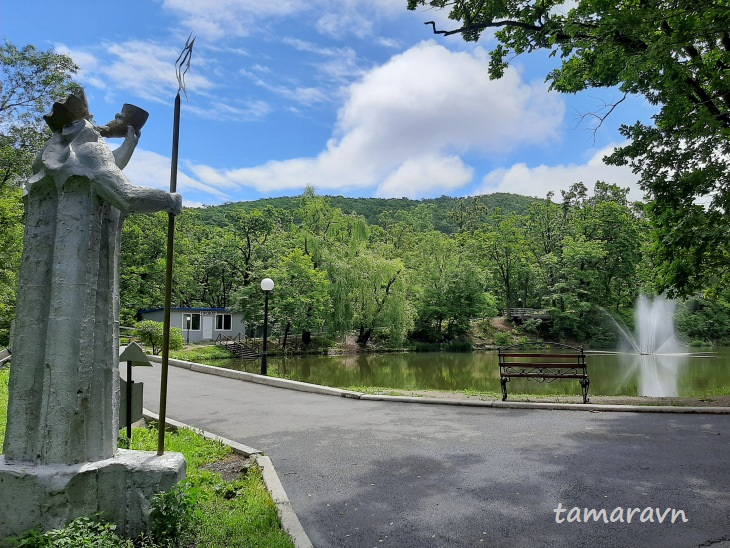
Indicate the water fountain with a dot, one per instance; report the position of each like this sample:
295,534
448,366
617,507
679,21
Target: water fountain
653,353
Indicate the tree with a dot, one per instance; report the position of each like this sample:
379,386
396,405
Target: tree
11,240
451,289
369,292
151,333
503,250
301,300
30,81
674,54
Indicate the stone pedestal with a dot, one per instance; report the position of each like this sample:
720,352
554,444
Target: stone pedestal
120,488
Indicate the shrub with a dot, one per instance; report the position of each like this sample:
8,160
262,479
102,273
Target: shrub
171,516
532,326
502,338
151,333
457,346
80,532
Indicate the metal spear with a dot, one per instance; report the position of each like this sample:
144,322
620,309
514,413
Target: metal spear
182,65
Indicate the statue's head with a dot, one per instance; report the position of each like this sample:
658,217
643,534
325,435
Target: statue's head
71,109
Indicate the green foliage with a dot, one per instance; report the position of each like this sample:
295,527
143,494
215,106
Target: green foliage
4,378
503,338
450,291
11,241
171,514
377,211
151,333
301,300
30,80
532,326
80,532
703,320
201,354
677,56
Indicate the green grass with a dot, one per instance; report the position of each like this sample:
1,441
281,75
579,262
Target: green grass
235,513
201,352
4,376
198,451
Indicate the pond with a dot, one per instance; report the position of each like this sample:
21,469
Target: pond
691,375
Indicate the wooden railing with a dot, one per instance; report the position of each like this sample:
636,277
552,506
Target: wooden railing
240,346
526,313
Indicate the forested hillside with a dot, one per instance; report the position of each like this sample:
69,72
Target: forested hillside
421,272
444,218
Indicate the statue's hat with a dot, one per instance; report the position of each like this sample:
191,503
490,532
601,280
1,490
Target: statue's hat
68,110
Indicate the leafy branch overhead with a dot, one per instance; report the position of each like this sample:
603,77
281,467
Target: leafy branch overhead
674,54
30,81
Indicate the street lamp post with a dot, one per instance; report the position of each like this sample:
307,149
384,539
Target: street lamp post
267,284
188,320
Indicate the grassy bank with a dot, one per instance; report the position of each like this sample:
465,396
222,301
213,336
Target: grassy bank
235,511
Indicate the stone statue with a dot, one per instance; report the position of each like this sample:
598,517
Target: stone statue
64,381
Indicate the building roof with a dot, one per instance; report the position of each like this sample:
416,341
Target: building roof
180,309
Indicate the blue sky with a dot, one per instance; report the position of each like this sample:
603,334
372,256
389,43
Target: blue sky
356,97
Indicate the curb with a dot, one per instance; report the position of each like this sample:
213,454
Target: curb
289,520
595,408
259,379
328,391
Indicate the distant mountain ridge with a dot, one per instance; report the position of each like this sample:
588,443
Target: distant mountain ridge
372,208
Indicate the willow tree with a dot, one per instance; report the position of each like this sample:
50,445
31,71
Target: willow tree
370,292
676,54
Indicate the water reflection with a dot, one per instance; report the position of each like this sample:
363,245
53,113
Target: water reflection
657,374
610,374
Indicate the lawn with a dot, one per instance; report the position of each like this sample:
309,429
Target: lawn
232,512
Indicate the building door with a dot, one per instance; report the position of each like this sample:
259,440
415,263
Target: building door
207,327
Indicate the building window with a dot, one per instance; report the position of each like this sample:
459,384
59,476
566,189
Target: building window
223,322
191,322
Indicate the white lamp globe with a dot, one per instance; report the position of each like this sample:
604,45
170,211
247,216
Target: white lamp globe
267,284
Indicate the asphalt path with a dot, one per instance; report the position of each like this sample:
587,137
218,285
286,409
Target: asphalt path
376,474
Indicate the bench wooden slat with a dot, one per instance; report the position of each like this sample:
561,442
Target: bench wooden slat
543,365
535,355
545,376
561,365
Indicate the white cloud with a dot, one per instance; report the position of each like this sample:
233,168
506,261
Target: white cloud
342,64
153,170
216,19
145,69
248,111
425,176
538,181
405,123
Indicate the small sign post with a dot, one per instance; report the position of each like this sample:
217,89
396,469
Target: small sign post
134,356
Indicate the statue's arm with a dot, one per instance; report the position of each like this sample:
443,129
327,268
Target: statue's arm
123,154
114,188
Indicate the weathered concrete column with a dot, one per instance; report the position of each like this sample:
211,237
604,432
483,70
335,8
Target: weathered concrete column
61,459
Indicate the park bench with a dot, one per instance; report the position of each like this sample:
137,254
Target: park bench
543,362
